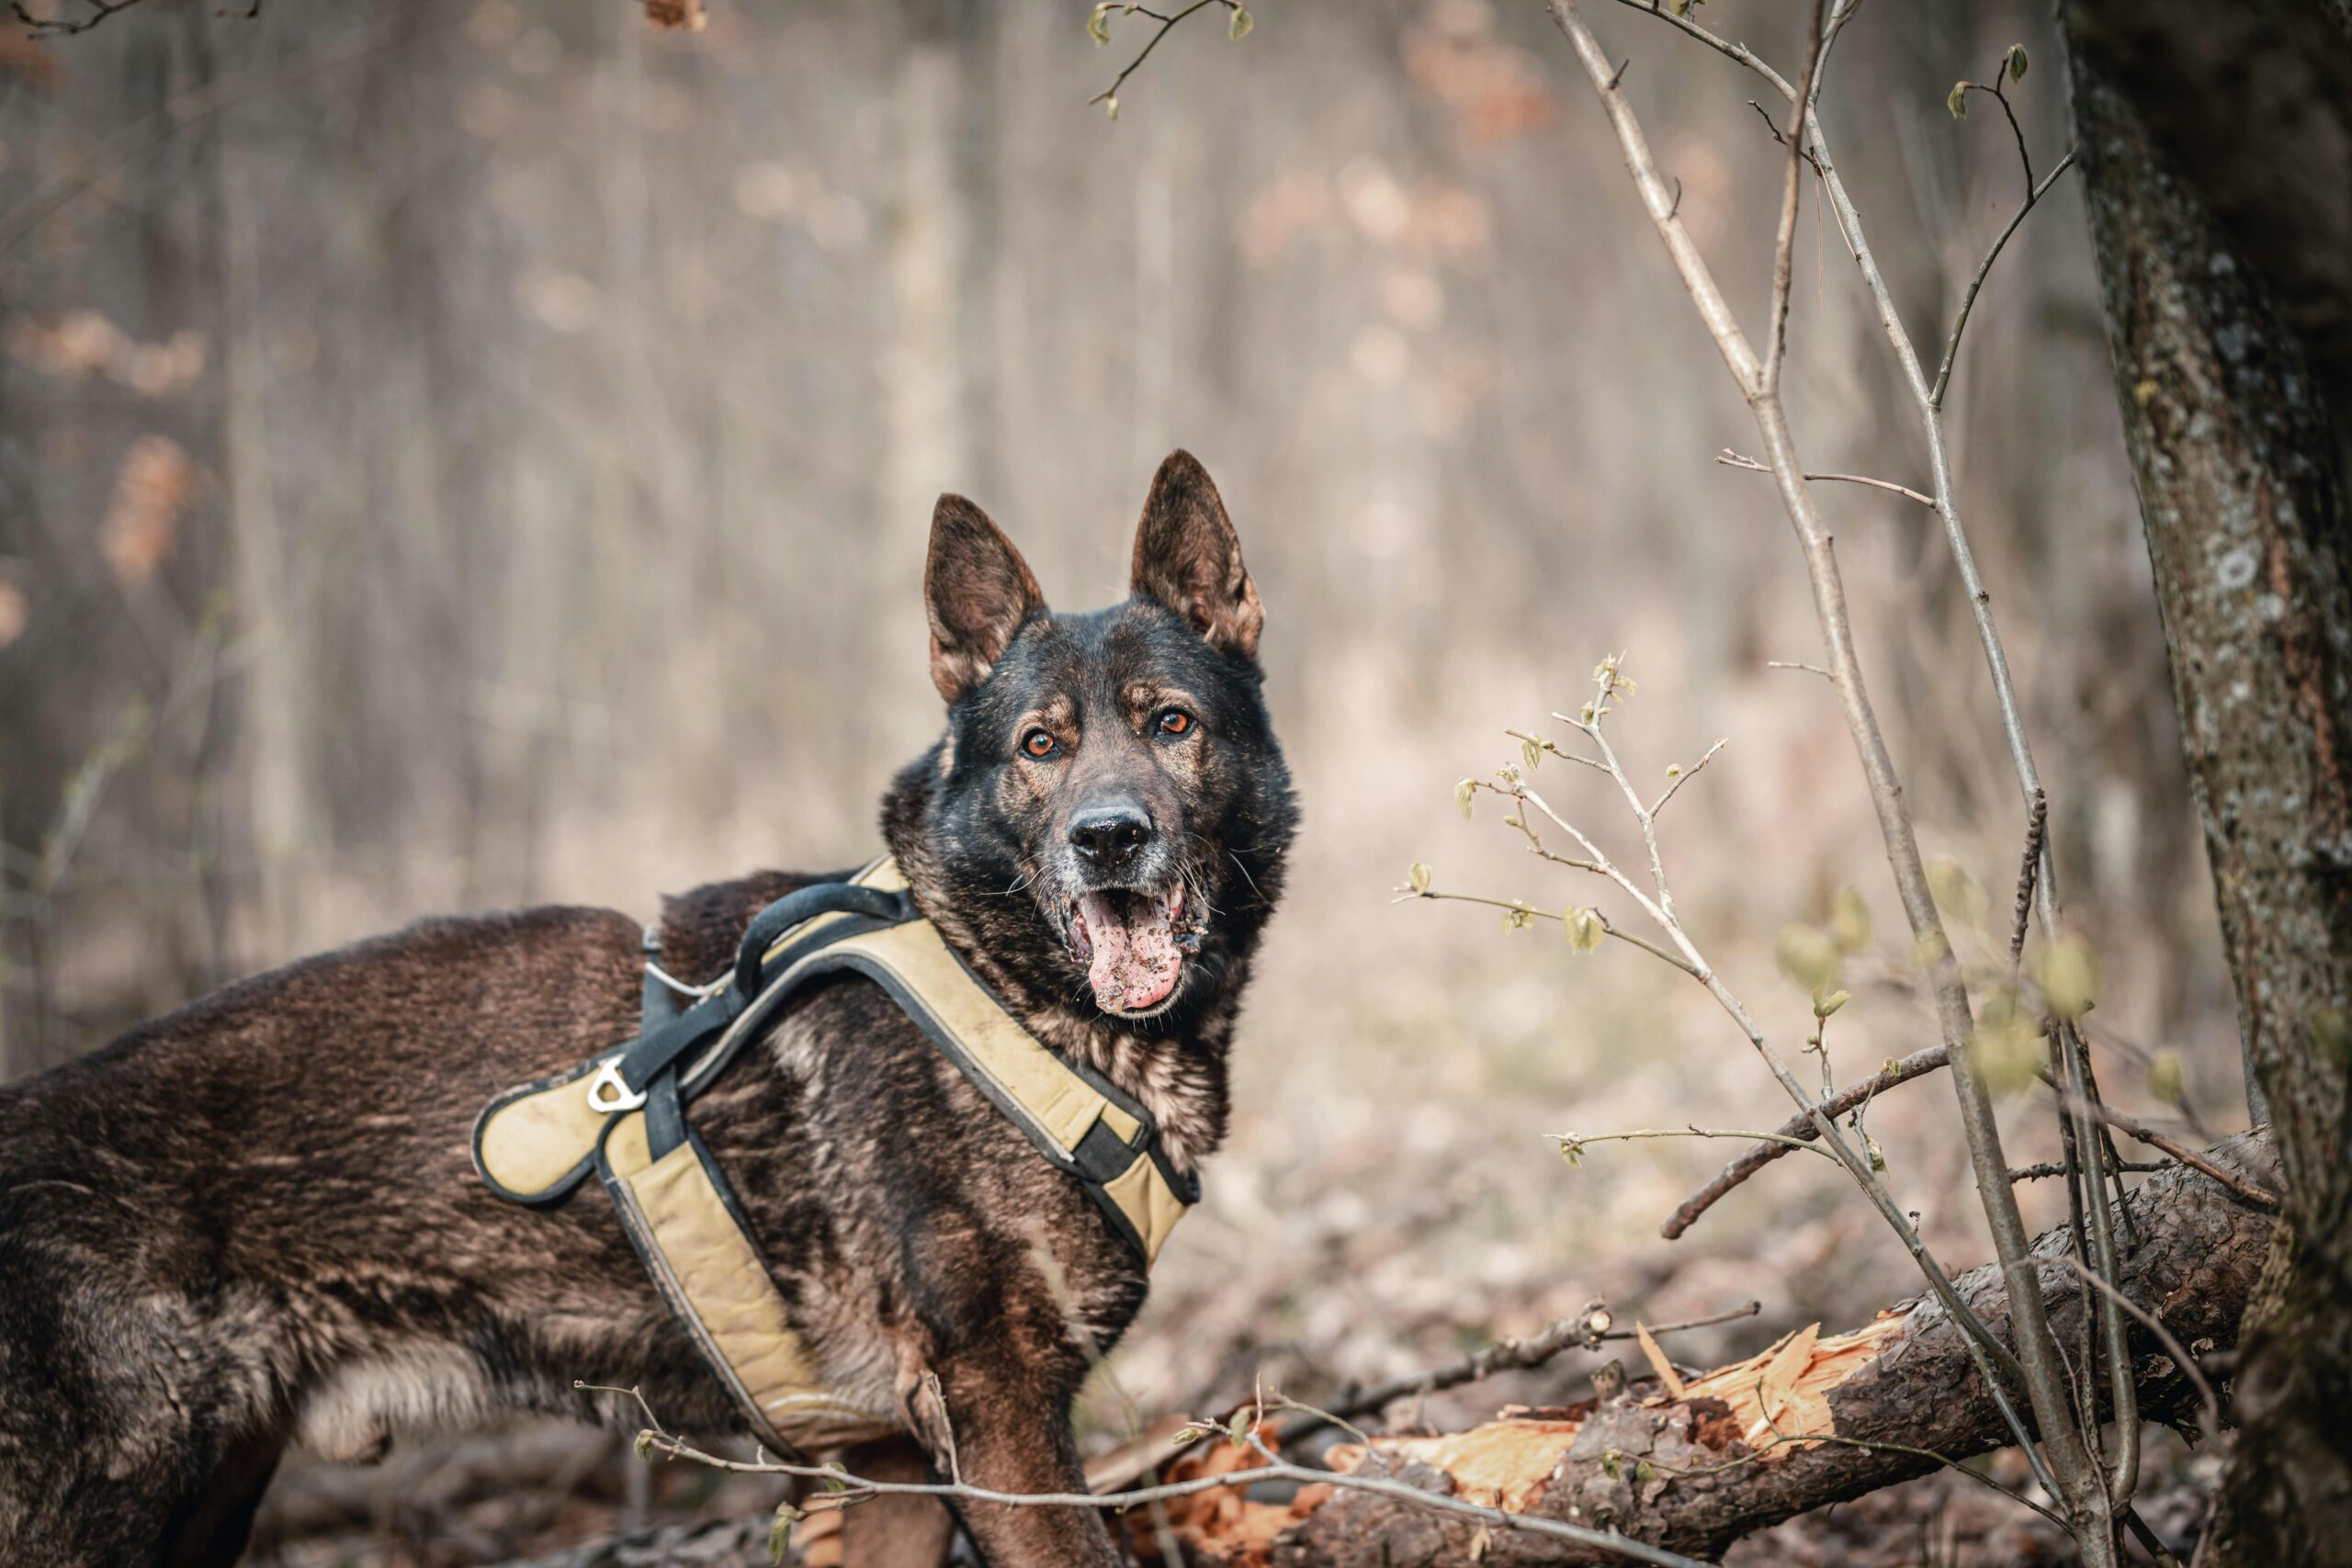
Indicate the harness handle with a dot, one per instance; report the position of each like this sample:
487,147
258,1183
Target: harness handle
806,904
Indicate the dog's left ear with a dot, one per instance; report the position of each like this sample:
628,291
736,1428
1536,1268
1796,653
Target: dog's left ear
1188,558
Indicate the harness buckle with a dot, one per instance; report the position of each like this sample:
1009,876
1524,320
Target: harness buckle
609,1092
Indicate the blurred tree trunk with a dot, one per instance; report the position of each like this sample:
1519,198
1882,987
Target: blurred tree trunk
2216,145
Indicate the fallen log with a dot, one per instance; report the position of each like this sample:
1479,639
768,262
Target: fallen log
1811,1420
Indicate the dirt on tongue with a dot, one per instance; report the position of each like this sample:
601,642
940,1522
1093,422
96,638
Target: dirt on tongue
1136,959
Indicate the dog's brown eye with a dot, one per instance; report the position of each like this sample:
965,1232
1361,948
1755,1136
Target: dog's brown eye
1038,743
1176,721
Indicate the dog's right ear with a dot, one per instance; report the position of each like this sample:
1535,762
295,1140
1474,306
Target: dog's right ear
978,589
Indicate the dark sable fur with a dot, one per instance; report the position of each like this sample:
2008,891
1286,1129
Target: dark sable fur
253,1221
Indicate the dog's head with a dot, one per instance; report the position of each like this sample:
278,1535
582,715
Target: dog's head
1108,812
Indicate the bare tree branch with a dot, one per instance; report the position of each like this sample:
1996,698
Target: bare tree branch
2073,1469
1917,1065
1731,459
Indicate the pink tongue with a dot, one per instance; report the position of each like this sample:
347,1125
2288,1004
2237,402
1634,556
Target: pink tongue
1136,959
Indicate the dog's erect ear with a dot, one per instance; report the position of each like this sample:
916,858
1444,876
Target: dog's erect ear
978,591
1189,558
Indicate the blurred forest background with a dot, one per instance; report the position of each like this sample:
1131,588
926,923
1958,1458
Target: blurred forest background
475,453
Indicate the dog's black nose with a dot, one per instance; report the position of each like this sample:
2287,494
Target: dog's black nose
1108,836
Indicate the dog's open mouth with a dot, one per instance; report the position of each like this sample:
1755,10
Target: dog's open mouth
1131,945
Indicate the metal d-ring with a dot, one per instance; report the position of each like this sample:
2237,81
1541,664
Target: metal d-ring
609,1092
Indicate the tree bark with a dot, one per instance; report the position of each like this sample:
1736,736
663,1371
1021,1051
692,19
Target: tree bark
2217,147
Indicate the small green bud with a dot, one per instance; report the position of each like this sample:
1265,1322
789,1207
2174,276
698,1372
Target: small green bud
1098,27
1463,794
780,1532
1823,1005
1418,876
1584,929
2068,976
1806,956
1958,895
2167,1075
2007,1048
1531,753
1239,28
2015,62
1849,922
1958,100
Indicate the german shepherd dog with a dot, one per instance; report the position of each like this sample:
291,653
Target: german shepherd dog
255,1222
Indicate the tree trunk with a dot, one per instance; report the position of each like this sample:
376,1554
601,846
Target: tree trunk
2216,145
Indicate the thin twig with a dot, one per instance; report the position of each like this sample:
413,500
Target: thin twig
2046,1170
2037,826
1572,1144
2140,1132
1588,1331
2071,1472
1731,459
1784,247
53,27
1685,776
1968,301
1531,911
1275,1469
1917,1065
1167,25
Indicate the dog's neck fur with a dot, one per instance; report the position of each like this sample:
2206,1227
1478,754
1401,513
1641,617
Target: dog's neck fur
1179,1074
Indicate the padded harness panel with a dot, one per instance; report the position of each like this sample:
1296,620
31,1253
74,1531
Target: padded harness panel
623,1113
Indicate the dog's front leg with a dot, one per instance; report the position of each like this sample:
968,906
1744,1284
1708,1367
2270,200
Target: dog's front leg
999,1423
895,1529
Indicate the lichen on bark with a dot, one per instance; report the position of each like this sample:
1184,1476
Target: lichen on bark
2217,150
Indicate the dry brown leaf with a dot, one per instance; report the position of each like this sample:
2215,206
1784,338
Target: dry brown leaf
20,56
83,343
677,16
1658,1363
1241,1531
144,520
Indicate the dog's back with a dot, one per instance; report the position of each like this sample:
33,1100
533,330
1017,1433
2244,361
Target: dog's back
197,1218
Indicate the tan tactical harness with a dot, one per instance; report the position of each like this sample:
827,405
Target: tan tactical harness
623,1112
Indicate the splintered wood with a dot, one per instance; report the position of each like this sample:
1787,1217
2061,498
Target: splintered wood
1767,1405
